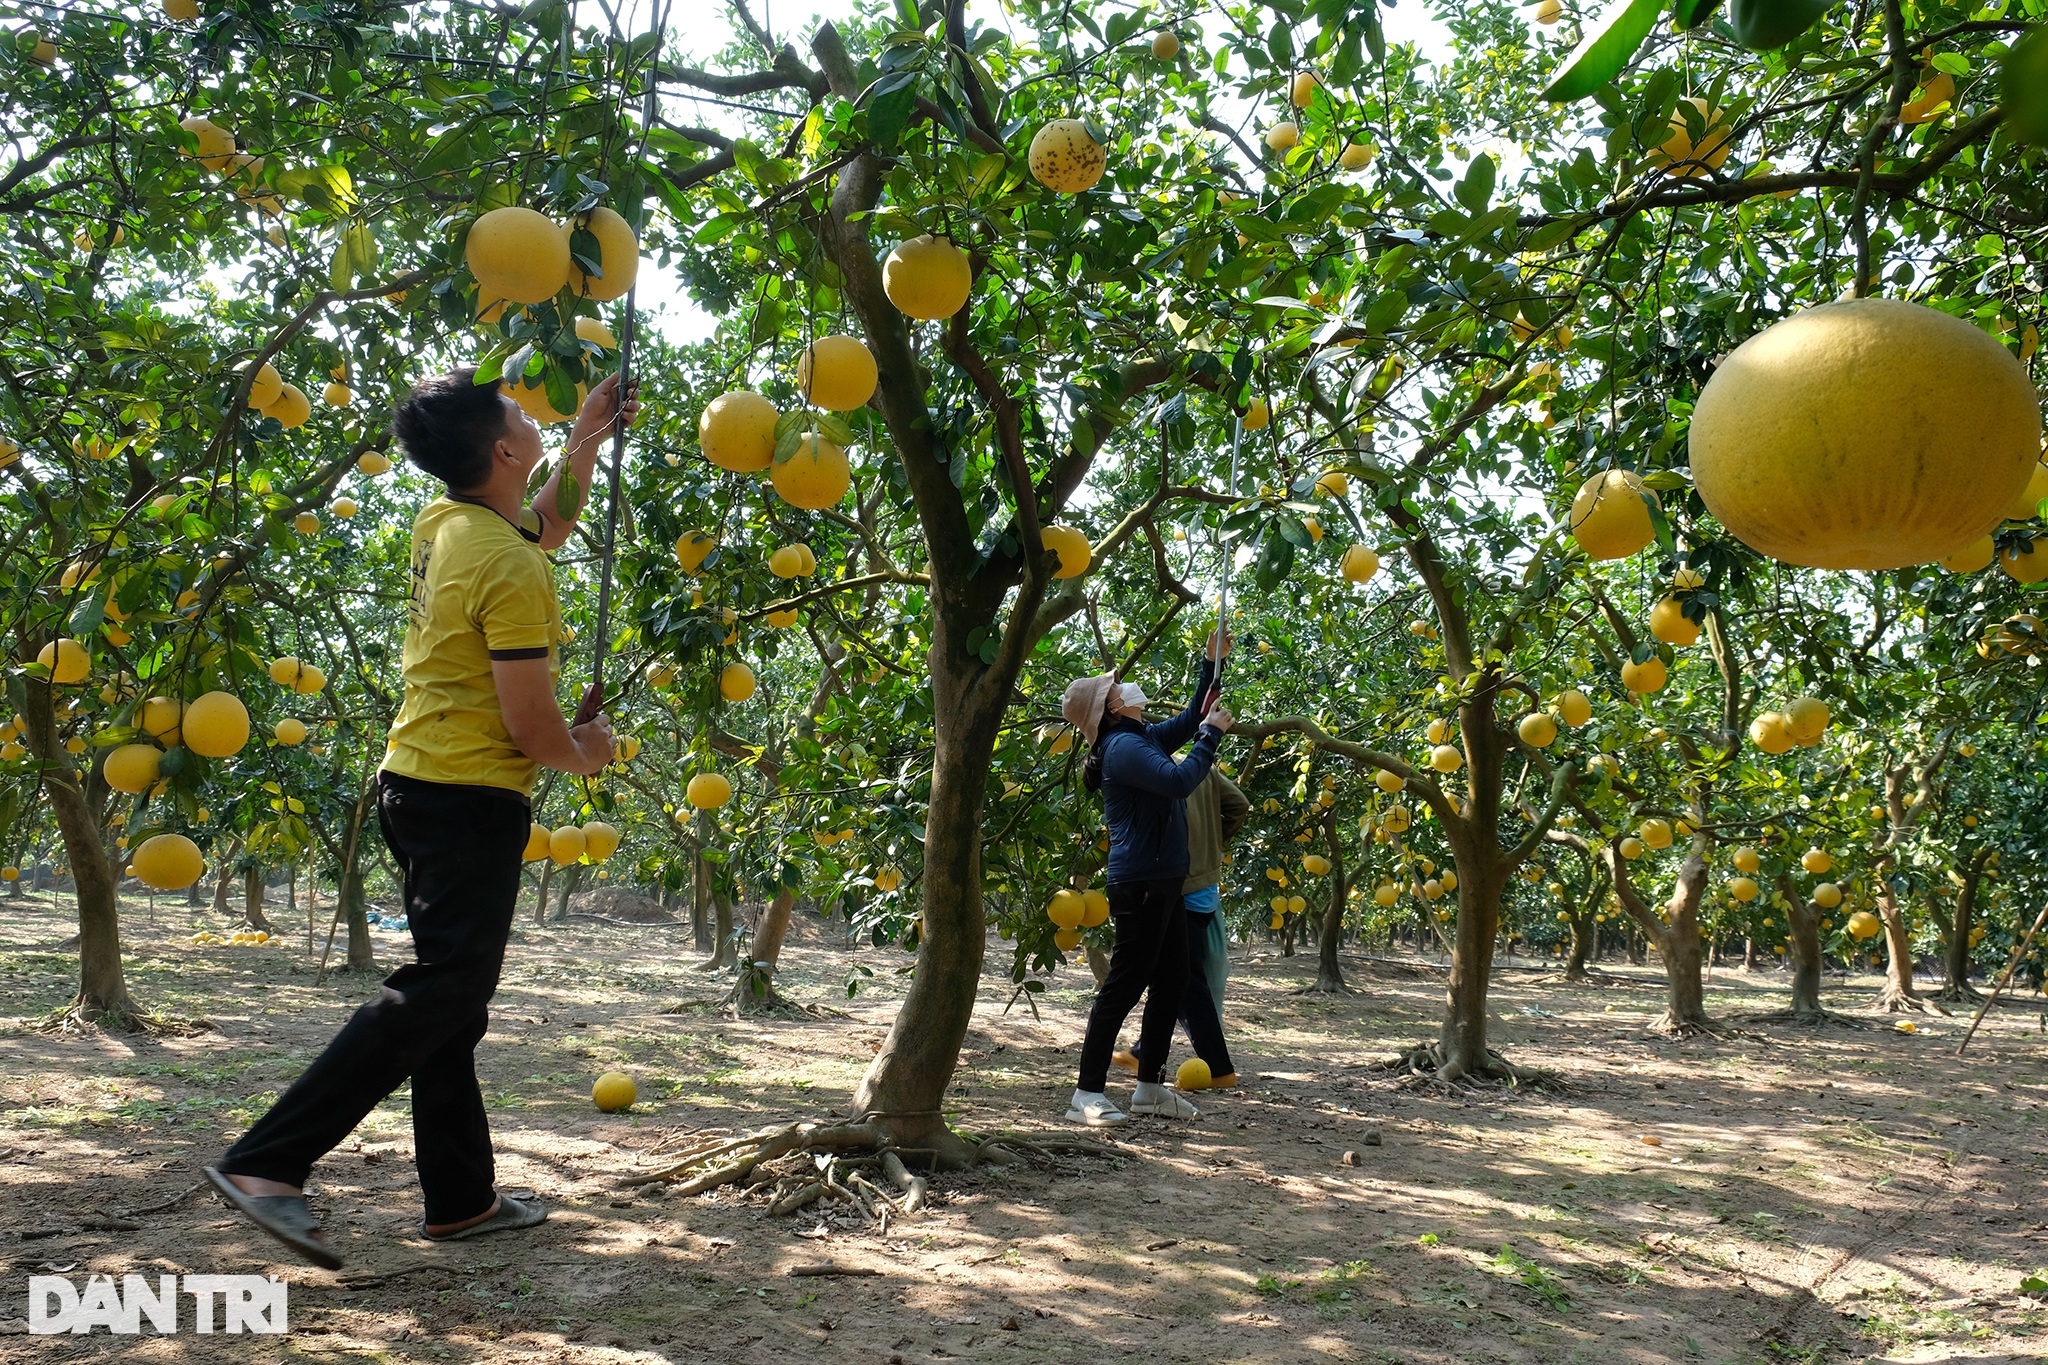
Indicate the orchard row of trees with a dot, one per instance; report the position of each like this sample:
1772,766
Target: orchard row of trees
1415,306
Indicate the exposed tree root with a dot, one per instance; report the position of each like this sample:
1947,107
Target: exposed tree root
1959,993
1895,999
1671,1026
1422,1067
1813,1018
79,1017
1325,985
857,1164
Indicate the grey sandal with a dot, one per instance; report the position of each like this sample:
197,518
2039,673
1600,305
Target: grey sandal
284,1216
512,1215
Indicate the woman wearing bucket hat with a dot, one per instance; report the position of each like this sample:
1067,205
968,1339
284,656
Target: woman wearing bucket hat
1144,796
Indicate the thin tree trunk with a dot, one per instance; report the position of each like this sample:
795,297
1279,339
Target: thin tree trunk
1329,973
1897,995
700,904
540,900
362,953
1957,987
1462,1039
570,882
252,898
223,878
102,996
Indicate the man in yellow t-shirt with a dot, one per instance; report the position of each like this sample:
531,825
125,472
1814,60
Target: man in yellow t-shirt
478,719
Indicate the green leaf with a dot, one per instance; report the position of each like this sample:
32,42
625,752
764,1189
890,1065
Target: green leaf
1476,189
1687,14
568,495
329,189
1605,51
1276,561
1764,24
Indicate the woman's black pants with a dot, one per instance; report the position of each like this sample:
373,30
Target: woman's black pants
458,849
1150,959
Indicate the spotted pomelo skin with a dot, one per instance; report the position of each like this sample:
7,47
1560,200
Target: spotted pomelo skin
1869,434
1064,158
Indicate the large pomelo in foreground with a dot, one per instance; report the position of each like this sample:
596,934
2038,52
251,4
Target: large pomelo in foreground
1870,434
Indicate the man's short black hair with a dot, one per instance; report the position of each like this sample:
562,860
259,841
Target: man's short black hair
449,424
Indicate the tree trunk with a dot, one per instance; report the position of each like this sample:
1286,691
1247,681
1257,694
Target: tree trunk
1748,954
1582,927
252,898
905,1086
1805,955
570,883
102,996
1462,1039
700,904
1897,996
362,954
540,900
224,877
1677,936
1329,974
1957,987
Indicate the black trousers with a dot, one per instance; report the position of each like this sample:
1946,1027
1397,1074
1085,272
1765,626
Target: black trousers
1199,1014
1150,959
458,849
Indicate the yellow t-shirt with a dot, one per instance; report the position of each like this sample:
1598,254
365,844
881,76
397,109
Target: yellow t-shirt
482,589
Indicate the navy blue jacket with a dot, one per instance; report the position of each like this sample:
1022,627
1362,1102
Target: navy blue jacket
1144,792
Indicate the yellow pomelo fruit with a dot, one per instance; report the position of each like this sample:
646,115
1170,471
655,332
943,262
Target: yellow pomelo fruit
1610,517
1630,848
1817,860
1437,731
132,768
1396,819
737,431
517,254
373,463
1356,156
1385,894
736,682
534,402
1573,708
816,475
285,671
692,547
343,507
159,719
168,862
1066,908
1066,940
1257,415
216,725
708,791
309,681
788,562
927,277
537,839
1687,159
781,620
2026,563
1537,730
1742,888
1870,434
1747,860
1863,924
1771,732
1648,676
836,373
1445,758
596,333
2027,505
1655,833
1071,546
1827,895
626,747
266,388
1806,719
1971,557
1315,864
1165,46
600,841
1388,781
1283,135
337,395
565,845
290,732
618,258
1669,623
67,660
614,1091
1065,159
888,878
291,409
1687,578
1359,564
181,10
1094,909
216,144
1302,89
306,523
1550,11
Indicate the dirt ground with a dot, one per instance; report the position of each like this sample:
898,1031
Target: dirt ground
1784,1196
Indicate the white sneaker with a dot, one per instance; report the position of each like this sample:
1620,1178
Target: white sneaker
1096,1111
1165,1105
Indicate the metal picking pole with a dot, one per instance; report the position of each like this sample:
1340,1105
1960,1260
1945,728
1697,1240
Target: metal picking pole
1223,596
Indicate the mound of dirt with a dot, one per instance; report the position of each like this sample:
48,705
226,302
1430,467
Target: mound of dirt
615,902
